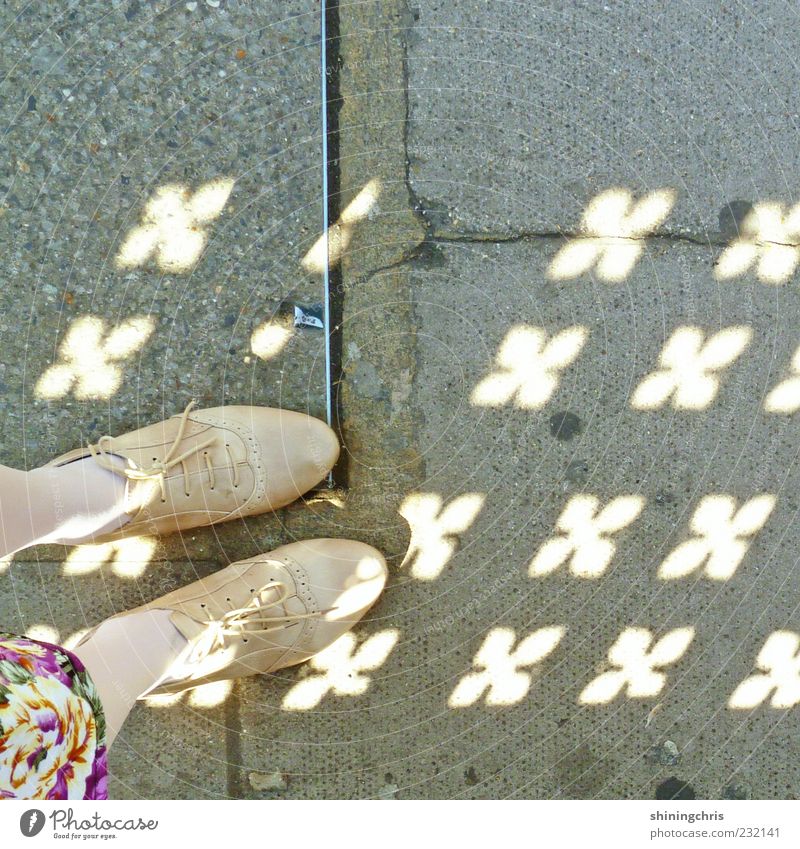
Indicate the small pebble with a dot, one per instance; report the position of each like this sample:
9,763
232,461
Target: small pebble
213,3
665,754
190,7
577,471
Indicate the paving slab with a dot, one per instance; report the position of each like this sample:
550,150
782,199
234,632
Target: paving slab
521,112
528,456
160,176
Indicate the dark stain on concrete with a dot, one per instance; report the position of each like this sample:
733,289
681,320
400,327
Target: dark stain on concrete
674,788
564,426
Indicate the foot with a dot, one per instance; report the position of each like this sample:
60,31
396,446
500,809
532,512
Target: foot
269,612
209,466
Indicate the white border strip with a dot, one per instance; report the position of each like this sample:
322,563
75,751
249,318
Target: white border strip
399,825
323,53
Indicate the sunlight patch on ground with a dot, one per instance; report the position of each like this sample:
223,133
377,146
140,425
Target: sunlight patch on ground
45,633
785,397
173,228
91,358
637,657
269,339
689,368
435,529
528,366
503,675
128,557
615,225
341,232
769,241
722,535
342,666
777,678
583,541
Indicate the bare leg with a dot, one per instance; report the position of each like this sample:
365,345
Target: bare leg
127,655
65,504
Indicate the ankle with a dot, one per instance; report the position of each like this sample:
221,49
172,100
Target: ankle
125,656
74,503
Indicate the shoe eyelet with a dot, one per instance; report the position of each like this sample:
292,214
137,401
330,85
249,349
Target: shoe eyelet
163,500
244,639
202,604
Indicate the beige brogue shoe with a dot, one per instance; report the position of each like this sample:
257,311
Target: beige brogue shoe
207,466
268,612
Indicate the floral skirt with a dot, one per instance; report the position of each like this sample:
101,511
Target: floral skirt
52,728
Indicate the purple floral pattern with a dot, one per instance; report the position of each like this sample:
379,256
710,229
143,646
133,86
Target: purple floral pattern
52,728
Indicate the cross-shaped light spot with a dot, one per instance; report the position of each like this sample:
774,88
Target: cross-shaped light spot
769,239
528,367
584,540
339,234
502,674
435,529
615,225
722,535
173,227
785,397
779,675
91,357
689,368
341,669
128,557
637,659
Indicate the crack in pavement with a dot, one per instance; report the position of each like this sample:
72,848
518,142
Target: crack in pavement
450,237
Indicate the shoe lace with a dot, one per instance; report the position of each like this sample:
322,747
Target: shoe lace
242,622
103,450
